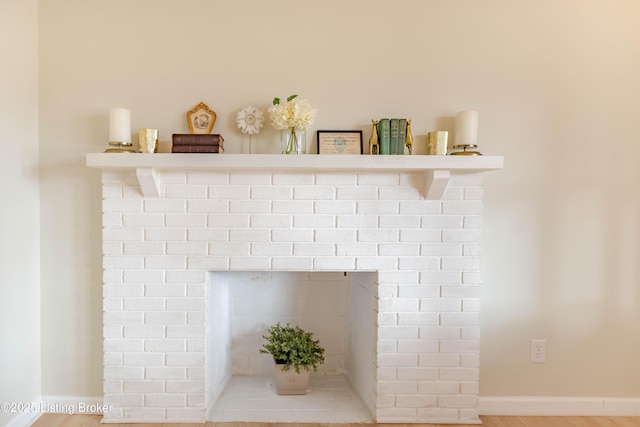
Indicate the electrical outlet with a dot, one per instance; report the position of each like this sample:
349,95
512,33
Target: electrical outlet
538,351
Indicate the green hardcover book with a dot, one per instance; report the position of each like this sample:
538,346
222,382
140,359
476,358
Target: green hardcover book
402,135
394,131
383,135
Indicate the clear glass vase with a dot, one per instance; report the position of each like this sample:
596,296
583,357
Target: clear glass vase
294,141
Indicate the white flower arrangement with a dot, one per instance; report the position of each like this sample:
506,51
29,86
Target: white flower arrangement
250,120
294,113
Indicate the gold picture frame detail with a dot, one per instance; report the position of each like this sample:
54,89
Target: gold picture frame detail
201,119
339,141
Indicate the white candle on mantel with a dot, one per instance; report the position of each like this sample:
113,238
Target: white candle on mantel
466,128
119,125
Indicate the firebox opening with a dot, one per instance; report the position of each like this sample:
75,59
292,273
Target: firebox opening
340,309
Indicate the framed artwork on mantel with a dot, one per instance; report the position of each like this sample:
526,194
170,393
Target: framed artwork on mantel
339,142
201,119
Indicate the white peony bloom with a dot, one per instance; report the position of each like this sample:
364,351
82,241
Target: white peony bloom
296,113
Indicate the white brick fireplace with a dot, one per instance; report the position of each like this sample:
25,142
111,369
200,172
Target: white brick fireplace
377,255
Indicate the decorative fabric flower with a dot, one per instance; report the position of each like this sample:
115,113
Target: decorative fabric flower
250,120
293,113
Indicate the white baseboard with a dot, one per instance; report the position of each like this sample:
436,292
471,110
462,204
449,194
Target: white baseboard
26,418
558,406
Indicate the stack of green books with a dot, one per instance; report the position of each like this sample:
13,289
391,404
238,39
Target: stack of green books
392,134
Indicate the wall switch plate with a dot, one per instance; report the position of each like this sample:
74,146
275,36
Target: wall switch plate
538,351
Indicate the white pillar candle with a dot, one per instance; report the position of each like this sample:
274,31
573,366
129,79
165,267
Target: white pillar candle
466,128
119,125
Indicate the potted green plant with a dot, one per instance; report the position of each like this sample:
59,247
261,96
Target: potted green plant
292,348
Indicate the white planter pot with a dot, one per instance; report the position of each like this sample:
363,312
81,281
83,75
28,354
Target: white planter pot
291,382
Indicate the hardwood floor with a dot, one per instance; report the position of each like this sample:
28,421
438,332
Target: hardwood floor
62,420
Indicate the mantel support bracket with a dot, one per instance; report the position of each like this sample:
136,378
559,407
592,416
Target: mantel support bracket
435,183
148,181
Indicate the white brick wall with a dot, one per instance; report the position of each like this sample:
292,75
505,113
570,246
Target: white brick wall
167,340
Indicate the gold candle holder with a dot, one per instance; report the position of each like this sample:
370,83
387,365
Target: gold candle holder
437,143
467,150
120,147
148,140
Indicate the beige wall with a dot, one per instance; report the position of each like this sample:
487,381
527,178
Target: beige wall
19,207
556,84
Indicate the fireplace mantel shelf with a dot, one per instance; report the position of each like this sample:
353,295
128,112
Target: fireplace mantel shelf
437,169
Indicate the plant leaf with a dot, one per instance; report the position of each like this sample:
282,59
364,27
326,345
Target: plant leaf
291,97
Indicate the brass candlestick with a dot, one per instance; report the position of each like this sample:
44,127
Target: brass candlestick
121,147
465,152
